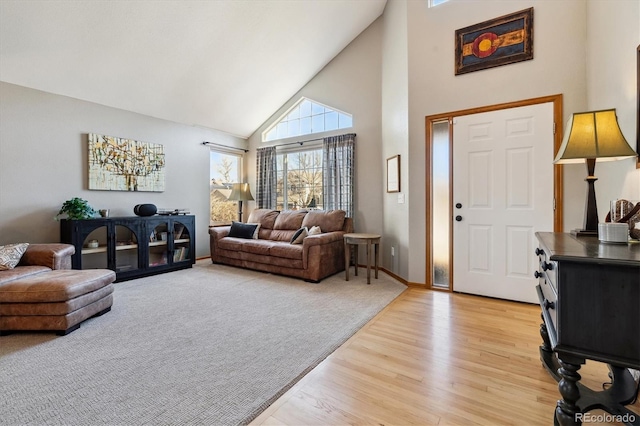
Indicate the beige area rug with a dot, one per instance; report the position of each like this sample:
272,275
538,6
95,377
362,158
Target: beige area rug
211,345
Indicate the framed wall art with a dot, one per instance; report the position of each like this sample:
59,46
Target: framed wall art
496,42
393,174
119,164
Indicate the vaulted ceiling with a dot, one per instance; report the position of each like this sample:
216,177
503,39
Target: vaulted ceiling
221,64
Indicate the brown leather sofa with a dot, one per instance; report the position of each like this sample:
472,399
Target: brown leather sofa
43,293
317,257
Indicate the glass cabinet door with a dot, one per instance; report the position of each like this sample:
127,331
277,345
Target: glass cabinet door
126,249
94,249
181,242
158,245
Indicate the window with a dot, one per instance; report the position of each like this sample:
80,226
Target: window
307,117
433,3
225,169
299,180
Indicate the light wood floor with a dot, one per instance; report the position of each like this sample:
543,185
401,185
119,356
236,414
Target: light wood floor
433,358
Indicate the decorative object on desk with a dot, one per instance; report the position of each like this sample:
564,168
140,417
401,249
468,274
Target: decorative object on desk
589,136
496,42
118,164
76,208
240,192
393,174
145,209
627,212
613,232
104,212
172,212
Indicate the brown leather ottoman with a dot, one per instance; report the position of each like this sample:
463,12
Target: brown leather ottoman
55,301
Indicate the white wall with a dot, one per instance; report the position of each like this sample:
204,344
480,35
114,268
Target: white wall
565,36
350,83
43,162
612,83
395,134
558,67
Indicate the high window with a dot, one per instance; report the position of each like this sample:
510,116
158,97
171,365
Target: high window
299,180
433,3
225,169
307,117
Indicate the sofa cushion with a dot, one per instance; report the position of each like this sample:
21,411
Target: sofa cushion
231,243
11,254
244,230
283,235
21,272
287,251
265,217
257,246
328,221
290,220
55,286
55,308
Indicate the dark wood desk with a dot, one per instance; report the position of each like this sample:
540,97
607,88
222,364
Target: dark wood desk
590,298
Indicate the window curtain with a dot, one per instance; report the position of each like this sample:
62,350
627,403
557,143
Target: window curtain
266,169
338,172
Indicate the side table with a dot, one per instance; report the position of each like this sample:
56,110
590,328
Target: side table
355,239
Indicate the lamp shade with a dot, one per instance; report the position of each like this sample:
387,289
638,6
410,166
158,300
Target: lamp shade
593,134
240,192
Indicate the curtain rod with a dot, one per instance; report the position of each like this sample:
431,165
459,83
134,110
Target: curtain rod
224,146
301,142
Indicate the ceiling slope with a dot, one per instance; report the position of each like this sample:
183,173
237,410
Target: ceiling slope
221,64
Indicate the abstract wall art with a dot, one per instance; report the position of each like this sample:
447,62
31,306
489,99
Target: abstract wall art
119,164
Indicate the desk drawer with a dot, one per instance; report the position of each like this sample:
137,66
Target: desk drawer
548,268
549,300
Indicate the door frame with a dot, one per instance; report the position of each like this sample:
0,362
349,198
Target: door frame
449,116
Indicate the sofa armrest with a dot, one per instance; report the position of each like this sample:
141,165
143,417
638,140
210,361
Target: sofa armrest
216,233
219,231
318,239
322,248
54,256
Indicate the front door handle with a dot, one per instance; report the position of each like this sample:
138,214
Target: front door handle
458,218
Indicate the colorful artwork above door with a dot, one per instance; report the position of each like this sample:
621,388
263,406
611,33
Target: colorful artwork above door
496,42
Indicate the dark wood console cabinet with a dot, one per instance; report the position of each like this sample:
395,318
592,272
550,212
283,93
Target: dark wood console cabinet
590,298
132,246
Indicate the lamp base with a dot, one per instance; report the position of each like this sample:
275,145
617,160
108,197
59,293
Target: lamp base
583,233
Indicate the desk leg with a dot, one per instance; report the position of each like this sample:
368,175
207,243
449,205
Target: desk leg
356,257
368,262
377,248
347,259
547,356
567,408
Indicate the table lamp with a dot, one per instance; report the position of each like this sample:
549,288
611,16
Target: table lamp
240,192
589,136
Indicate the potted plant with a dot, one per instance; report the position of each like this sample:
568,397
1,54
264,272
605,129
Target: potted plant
76,208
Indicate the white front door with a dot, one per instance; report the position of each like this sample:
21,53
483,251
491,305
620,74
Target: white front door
502,195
